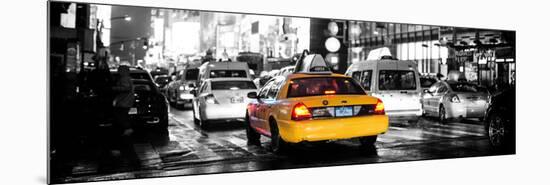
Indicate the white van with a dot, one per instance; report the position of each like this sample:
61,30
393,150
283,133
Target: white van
395,82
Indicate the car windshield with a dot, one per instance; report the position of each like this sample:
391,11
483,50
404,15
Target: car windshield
396,80
227,73
316,86
465,87
427,82
192,74
233,85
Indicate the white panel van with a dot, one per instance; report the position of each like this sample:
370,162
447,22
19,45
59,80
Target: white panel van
395,82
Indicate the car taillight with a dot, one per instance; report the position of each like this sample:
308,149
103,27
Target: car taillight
455,99
379,108
330,92
211,99
300,112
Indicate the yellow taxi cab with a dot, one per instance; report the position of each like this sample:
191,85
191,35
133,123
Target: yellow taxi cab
313,104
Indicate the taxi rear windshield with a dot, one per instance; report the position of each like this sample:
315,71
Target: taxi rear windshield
227,73
317,86
233,85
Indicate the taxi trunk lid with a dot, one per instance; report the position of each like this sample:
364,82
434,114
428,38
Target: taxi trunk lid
232,96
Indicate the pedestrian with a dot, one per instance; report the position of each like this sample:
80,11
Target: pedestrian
123,101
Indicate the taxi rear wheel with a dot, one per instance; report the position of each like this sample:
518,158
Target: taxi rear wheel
368,141
278,145
253,138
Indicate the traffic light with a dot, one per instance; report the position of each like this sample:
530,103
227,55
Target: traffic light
335,45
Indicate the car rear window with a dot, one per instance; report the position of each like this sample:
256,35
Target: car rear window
233,85
396,80
427,82
316,86
143,86
162,80
465,87
228,73
192,74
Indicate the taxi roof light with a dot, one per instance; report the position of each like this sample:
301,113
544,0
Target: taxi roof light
312,64
300,112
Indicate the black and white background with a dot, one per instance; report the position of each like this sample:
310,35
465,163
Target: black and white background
24,98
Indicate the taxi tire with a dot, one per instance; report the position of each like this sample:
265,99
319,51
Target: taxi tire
278,145
368,141
253,138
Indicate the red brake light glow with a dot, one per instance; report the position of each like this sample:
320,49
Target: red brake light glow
379,109
300,112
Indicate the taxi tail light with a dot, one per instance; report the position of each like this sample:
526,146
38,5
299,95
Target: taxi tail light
379,108
300,112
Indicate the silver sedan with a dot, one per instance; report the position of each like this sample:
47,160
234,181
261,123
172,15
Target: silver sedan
222,99
448,99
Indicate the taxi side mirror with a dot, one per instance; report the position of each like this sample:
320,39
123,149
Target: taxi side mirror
252,95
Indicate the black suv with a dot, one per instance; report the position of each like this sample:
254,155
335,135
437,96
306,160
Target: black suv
150,108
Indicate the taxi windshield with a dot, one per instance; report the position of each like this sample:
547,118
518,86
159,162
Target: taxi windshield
316,86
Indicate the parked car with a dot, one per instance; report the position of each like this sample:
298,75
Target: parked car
395,82
452,99
150,109
222,99
500,120
311,105
179,91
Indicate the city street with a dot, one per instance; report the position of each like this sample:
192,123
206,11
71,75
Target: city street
223,147
130,87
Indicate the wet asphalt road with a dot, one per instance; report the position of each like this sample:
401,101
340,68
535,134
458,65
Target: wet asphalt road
222,148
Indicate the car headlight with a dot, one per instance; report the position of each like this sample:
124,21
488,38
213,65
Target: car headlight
181,88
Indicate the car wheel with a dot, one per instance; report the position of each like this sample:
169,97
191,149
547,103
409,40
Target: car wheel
278,145
423,111
368,141
442,114
195,120
253,138
496,130
162,128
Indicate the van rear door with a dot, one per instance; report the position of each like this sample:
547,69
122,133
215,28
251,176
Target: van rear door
398,87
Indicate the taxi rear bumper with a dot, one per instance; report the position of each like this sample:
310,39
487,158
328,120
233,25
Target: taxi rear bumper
332,129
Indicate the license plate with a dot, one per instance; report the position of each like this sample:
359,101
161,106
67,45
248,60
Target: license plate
237,100
133,110
344,111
